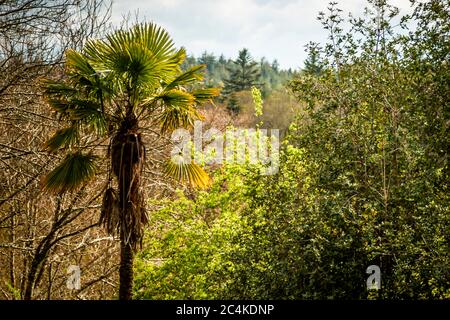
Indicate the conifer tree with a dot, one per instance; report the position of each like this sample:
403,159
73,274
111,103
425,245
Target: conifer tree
243,75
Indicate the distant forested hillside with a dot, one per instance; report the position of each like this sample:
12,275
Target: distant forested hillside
219,69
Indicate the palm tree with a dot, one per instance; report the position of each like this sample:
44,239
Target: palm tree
109,90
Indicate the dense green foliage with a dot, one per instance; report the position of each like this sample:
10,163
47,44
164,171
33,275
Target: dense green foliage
363,180
313,65
220,69
240,75
244,73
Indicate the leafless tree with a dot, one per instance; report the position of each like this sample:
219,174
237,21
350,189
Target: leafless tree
41,235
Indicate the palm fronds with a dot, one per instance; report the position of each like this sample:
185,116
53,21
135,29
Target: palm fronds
71,173
80,111
63,138
83,75
202,96
141,56
57,89
179,110
190,173
188,77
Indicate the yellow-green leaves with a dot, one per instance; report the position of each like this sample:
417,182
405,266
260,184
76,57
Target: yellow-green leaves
178,110
188,173
188,77
205,95
77,63
258,101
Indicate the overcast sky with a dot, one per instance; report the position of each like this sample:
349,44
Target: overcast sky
275,29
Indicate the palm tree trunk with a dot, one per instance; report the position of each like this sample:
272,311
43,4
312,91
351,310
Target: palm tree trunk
127,163
126,270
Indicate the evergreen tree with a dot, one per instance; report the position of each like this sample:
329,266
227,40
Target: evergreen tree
208,59
312,64
275,65
222,59
243,75
220,69
233,104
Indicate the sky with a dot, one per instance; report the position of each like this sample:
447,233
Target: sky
274,29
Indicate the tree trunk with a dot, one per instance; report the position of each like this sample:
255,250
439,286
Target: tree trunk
126,270
29,285
127,159
31,278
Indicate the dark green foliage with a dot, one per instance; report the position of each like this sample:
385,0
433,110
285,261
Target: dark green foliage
363,180
75,169
244,74
233,104
313,64
219,70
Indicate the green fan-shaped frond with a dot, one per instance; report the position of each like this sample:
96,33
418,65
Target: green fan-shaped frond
57,89
81,111
178,110
175,117
78,64
60,105
89,113
176,97
63,138
188,173
188,77
205,95
143,55
141,66
154,38
74,170
84,77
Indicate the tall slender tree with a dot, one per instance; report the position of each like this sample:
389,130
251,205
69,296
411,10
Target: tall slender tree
244,74
111,89
313,64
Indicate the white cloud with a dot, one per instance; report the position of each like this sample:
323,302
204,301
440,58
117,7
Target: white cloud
276,29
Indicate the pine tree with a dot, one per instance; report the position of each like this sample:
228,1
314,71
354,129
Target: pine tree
313,65
222,59
233,104
243,75
275,65
209,60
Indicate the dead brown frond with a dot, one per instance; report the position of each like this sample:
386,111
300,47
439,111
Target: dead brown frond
109,216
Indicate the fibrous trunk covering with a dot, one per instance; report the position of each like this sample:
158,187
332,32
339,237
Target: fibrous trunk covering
124,213
128,156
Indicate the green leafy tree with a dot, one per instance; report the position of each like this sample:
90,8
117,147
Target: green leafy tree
363,180
111,89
